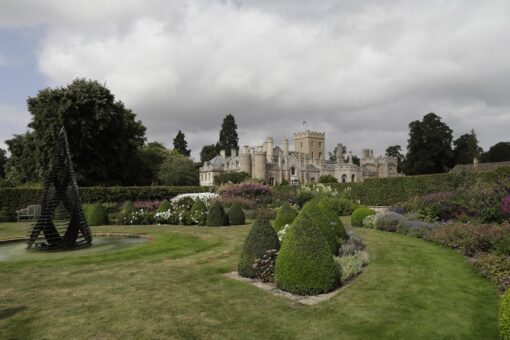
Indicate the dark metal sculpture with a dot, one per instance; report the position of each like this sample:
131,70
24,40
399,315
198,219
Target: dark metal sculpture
62,223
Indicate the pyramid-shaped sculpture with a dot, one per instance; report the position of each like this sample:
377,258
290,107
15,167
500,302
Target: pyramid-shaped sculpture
62,223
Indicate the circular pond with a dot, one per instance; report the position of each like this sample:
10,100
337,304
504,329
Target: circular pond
16,251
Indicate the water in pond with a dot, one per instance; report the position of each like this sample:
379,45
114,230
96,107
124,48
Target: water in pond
17,251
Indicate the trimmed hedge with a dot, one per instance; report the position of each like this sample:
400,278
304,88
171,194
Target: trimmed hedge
260,239
236,214
216,216
285,215
17,198
359,215
504,316
96,214
305,264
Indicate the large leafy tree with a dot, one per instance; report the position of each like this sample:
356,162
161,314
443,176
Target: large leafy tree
396,151
208,152
228,135
178,169
181,145
429,147
466,148
499,152
21,165
103,135
145,166
3,160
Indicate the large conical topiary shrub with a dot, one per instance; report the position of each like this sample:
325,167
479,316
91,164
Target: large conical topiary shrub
216,216
260,239
359,215
285,215
324,217
198,212
96,214
305,265
236,214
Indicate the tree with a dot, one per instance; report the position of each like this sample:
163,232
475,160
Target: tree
21,166
332,155
103,134
466,148
178,169
3,160
208,152
396,151
145,165
327,179
429,147
181,145
499,152
228,135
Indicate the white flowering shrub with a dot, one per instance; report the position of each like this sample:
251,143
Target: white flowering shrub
180,206
137,217
282,232
205,197
369,221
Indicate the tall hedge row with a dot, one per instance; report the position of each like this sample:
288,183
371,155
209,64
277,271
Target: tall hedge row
17,198
387,191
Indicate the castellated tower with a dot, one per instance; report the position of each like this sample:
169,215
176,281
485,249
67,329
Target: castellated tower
245,161
311,143
259,166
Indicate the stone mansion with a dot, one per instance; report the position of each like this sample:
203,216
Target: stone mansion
304,165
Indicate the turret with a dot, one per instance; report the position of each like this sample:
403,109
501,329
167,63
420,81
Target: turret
245,161
233,152
269,148
259,163
350,157
338,155
223,153
285,147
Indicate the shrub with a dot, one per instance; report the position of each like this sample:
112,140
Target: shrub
369,221
268,213
327,179
216,216
505,206
230,177
284,215
151,205
260,239
96,214
353,244
7,216
198,212
350,266
236,215
137,217
264,267
390,221
323,217
304,196
304,264
164,206
504,317
342,206
359,214
496,268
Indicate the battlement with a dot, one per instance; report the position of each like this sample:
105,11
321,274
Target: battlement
309,133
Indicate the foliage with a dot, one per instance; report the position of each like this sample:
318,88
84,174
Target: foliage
230,177
324,217
264,267
252,193
283,231
353,244
7,215
216,216
439,206
342,206
304,264
284,215
147,164
3,160
496,268
369,221
228,139
505,206
96,214
350,266
390,221
198,212
268,213
236,215
304,196
208,152
259,240
21,166
164,206
396,151
359,215
504,317
180,144
429,146
328,179
103,134
499,152
150,205
137,217
466,148
178,169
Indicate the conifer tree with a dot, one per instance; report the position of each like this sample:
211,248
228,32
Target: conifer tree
180,144
228,135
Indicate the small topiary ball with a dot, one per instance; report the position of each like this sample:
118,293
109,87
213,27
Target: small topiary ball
164,206
260,239
96,214
324,217
216,216
359,214
198,212
504,316
305,265
285,215
236,214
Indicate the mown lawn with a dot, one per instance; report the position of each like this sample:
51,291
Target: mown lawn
172,287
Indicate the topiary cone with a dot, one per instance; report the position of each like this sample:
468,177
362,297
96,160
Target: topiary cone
216,216
236,214
305,265
285,215
260,239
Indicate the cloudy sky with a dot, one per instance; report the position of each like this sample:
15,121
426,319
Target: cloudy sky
358,70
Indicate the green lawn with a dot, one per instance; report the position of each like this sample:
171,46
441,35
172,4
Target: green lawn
173,288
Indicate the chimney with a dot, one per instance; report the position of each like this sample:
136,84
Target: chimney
285,147
339,157
350,157
223,153
269,148
233,152
245,149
